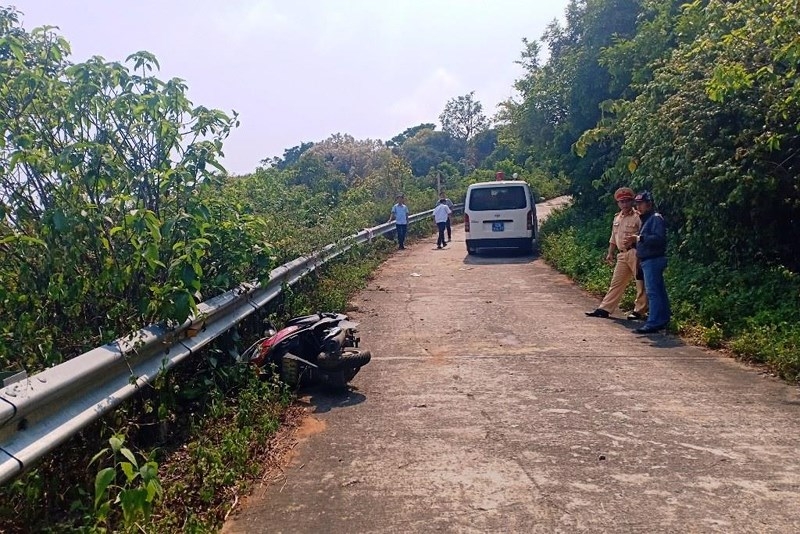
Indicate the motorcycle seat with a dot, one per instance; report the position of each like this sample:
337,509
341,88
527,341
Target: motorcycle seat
303,320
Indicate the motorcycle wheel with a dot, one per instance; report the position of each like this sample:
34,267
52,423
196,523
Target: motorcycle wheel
352,357
350,373
352,360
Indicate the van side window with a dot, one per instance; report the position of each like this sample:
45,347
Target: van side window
498,198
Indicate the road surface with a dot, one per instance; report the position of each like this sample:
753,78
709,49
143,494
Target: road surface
492,404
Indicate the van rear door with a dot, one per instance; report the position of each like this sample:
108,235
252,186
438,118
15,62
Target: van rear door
499,211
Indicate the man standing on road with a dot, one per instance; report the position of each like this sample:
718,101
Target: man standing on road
441,214
451,206
651,249
626,223
400,215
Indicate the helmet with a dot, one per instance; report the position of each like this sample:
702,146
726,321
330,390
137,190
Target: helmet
624,193
644,196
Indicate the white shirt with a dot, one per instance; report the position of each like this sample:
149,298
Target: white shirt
440,213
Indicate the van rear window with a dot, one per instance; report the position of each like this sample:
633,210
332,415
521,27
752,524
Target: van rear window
498,198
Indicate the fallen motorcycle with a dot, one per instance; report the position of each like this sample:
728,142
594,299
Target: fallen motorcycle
318,348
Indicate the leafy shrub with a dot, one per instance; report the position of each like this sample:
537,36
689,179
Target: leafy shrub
754,310
776,344
132,486
542,183
104,224
712,336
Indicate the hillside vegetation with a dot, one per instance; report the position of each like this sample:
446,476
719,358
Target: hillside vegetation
115,212
696,102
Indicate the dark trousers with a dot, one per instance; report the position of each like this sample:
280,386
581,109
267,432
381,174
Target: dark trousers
449,230
440,242
402,230
657,298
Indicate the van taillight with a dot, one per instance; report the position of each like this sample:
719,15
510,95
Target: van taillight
530,220
466,222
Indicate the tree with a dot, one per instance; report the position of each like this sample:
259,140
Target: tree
715,133
103,220
353,158
290,157
463,117
563,98
429,148
398,140
482,145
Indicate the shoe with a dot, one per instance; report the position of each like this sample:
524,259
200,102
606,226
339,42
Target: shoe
598,313
444,244
636,316
401,248
438,246
649,329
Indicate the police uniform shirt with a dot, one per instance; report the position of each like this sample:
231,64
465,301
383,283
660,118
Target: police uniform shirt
624,226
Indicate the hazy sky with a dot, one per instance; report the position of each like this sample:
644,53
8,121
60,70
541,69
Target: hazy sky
302,70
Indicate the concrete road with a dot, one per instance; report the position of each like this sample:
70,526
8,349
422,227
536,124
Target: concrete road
492,404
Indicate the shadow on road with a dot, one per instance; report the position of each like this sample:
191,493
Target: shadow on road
499,256
659,340
324,400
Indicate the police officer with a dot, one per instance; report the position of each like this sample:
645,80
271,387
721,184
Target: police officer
626,223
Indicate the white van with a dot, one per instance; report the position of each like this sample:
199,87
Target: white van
500,214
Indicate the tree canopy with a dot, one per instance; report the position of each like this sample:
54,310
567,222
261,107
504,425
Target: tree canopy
103,219
463,117
695,101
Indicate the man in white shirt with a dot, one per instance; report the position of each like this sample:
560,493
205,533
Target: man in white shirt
441,213
451,206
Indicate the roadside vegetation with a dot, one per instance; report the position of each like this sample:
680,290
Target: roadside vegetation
697,103
751,311
116,213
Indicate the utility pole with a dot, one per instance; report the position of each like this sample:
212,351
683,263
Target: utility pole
438,182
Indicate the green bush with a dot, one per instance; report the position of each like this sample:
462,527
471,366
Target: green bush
113,228
754,310
776,344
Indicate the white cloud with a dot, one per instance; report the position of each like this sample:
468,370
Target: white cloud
427,100
239,22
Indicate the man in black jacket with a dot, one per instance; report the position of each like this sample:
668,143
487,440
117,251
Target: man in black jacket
651,249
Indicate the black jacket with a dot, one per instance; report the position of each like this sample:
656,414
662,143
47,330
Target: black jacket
652,237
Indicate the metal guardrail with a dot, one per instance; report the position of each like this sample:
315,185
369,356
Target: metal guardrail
39,413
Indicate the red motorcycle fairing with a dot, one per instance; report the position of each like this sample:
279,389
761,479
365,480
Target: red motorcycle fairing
270,342
320,348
